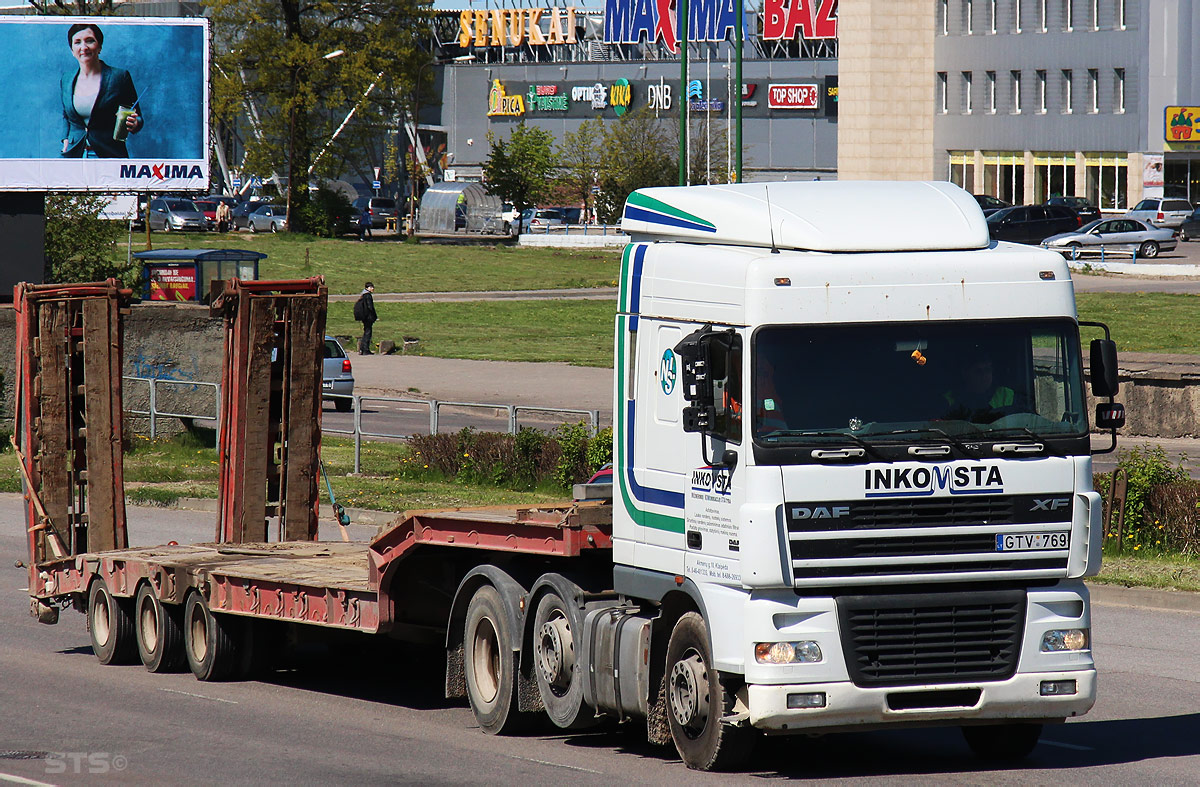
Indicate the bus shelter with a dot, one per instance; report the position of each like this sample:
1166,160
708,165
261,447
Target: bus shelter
460,207
186,275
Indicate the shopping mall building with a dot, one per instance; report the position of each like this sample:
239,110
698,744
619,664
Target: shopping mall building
1030,98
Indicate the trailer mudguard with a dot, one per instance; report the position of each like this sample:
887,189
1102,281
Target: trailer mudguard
513,594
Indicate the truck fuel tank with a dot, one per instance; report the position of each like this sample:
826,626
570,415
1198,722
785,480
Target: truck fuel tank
616,657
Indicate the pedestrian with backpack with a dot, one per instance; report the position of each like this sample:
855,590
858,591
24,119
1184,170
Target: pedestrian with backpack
364,312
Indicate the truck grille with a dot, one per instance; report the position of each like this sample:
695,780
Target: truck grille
932,638
947,538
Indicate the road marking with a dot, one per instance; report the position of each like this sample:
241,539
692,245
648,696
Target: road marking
8,777
199,696
556,764
1071,746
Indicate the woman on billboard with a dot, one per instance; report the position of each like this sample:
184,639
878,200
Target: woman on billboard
100,103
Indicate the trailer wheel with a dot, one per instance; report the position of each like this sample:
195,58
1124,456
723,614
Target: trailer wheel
696,702
1002,741
159,635
559,674
210,641
491,665
110,625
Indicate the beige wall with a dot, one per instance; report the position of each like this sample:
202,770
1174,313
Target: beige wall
885,90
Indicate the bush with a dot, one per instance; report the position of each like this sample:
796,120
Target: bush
1145,469
326,214
522,461
600,449
1175,509
572,465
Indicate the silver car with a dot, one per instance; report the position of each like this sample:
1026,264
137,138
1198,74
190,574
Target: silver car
1161,211
268,218
172,215
337,379
1129,235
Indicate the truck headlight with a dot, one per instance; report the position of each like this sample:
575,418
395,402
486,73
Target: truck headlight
806,652
1065,639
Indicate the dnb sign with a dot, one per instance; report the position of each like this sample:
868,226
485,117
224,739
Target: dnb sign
634,21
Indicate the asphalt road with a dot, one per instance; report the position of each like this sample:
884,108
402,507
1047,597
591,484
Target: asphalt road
360,714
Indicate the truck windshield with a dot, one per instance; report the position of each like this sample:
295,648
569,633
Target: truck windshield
914,382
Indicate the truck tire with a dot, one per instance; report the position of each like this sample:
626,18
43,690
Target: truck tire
558,672
210,641
490,664
696,702
110,625
1002,742
159,634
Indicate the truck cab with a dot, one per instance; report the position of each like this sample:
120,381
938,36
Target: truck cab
864,451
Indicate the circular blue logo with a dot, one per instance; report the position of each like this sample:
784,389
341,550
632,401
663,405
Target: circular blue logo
667,372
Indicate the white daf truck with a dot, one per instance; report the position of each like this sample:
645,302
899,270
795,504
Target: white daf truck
851,488
853,431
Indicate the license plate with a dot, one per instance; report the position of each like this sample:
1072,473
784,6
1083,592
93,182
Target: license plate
327,385
1027,542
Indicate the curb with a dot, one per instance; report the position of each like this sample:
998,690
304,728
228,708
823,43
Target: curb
1135,268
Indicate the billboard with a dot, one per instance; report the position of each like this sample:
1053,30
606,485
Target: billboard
116,104
632,21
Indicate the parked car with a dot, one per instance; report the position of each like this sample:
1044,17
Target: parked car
241,214
1031,223
1191,228
170,214
382,209
337,377
232,202
1114,234
572,215
268,217
1161,211
534,219
508,214
209,209
1087,211
989,204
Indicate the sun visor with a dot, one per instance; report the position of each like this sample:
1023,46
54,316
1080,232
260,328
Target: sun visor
851,216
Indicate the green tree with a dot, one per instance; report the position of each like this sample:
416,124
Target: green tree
81,246
579,161
76,7
639,151
296,69
520,168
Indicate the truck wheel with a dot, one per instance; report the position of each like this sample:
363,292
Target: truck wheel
1002,741
210,641
159,636
559,674
696,701
491,666
111,626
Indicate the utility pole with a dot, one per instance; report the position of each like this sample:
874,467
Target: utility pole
684,101
737,92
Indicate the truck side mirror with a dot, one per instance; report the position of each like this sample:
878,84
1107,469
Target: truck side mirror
693,352
1104,368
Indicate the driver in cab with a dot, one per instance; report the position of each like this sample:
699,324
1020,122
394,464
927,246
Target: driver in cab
977,397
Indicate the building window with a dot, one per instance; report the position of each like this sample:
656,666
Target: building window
1068,15
1121,14
1016,16
969,12
1016,91
1095,14
1053,176
992,16
1042,14
1004,176
1067,96
944,10
943,104
1093,90
1041,90
1107,181
991,92
966,87
1119,90
962,170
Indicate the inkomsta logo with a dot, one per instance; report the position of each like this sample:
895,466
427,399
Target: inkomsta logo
668,371
160,171
711,480
924,481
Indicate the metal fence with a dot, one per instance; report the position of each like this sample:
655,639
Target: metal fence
174,406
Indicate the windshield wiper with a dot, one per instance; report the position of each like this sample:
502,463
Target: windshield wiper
857,441
956,442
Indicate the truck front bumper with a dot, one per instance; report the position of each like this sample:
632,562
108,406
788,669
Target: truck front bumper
847,705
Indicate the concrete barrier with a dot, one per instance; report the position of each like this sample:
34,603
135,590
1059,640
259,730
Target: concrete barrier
593,240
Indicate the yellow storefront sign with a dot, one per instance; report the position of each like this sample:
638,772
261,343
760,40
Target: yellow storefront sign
501,103
515,26
1181,124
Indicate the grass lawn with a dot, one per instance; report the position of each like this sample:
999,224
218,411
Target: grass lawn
1145,322
404,267
576,332
1165,572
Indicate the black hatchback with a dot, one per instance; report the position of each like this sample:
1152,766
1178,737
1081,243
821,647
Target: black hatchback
1086,210
1190,229
1031,223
